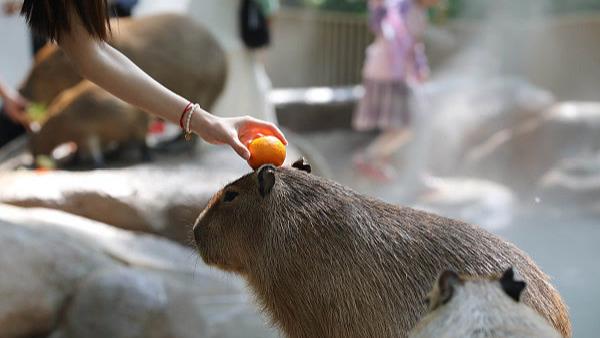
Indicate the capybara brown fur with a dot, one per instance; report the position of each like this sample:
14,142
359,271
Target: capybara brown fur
467,307
172,48
94,120
325,261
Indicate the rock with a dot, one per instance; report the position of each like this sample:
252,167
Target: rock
158,201
457,115
118,303
315,109
519,156
574,180
38,269
161,198
67,277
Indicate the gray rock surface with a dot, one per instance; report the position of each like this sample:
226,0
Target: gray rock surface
574,180
64,276
163,197
160,201
521,155
459,113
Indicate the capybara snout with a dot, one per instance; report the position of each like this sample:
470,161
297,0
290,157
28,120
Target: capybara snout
230,226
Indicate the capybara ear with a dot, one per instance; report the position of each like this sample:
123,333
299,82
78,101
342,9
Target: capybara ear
302,165
266,179
447,281
512,287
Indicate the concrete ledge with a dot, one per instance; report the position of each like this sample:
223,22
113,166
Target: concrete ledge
316,108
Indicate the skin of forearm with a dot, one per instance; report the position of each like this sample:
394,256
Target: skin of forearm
108,68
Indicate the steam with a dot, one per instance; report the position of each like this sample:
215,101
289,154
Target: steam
484,78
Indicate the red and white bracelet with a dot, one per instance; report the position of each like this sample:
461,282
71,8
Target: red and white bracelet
188,123
187,114
185,110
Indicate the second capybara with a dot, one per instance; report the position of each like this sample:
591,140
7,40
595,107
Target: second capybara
326,261
95,121
173,49
466,307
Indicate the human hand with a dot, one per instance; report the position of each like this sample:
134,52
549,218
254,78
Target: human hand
237,132
15,106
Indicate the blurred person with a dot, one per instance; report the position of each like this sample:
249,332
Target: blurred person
395,64
12,114
81,28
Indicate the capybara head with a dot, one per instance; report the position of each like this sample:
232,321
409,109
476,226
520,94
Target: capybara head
469,307
449,283
52,72
237,224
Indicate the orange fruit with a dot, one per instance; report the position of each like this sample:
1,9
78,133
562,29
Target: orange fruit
266,150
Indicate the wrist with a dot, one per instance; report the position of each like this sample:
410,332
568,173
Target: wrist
201,119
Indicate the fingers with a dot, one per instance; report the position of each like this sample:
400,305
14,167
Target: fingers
239,147
255,126
277,133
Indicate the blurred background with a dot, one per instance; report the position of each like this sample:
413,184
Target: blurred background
503,130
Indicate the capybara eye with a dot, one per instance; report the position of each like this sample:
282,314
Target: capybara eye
427,301
230,196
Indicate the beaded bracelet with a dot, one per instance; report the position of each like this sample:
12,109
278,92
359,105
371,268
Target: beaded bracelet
183,114
188,122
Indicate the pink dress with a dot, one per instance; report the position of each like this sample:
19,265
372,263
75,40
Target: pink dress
395,62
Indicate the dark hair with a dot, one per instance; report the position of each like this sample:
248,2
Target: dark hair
51,18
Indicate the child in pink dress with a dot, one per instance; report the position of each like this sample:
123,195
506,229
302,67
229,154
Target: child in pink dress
395,63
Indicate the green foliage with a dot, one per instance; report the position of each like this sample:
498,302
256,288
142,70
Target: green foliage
355,6
464,8
36,112
521,8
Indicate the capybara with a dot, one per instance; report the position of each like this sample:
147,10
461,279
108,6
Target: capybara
94,120
466,307
325,261
172,48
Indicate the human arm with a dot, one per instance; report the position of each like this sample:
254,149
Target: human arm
111,70
14,104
